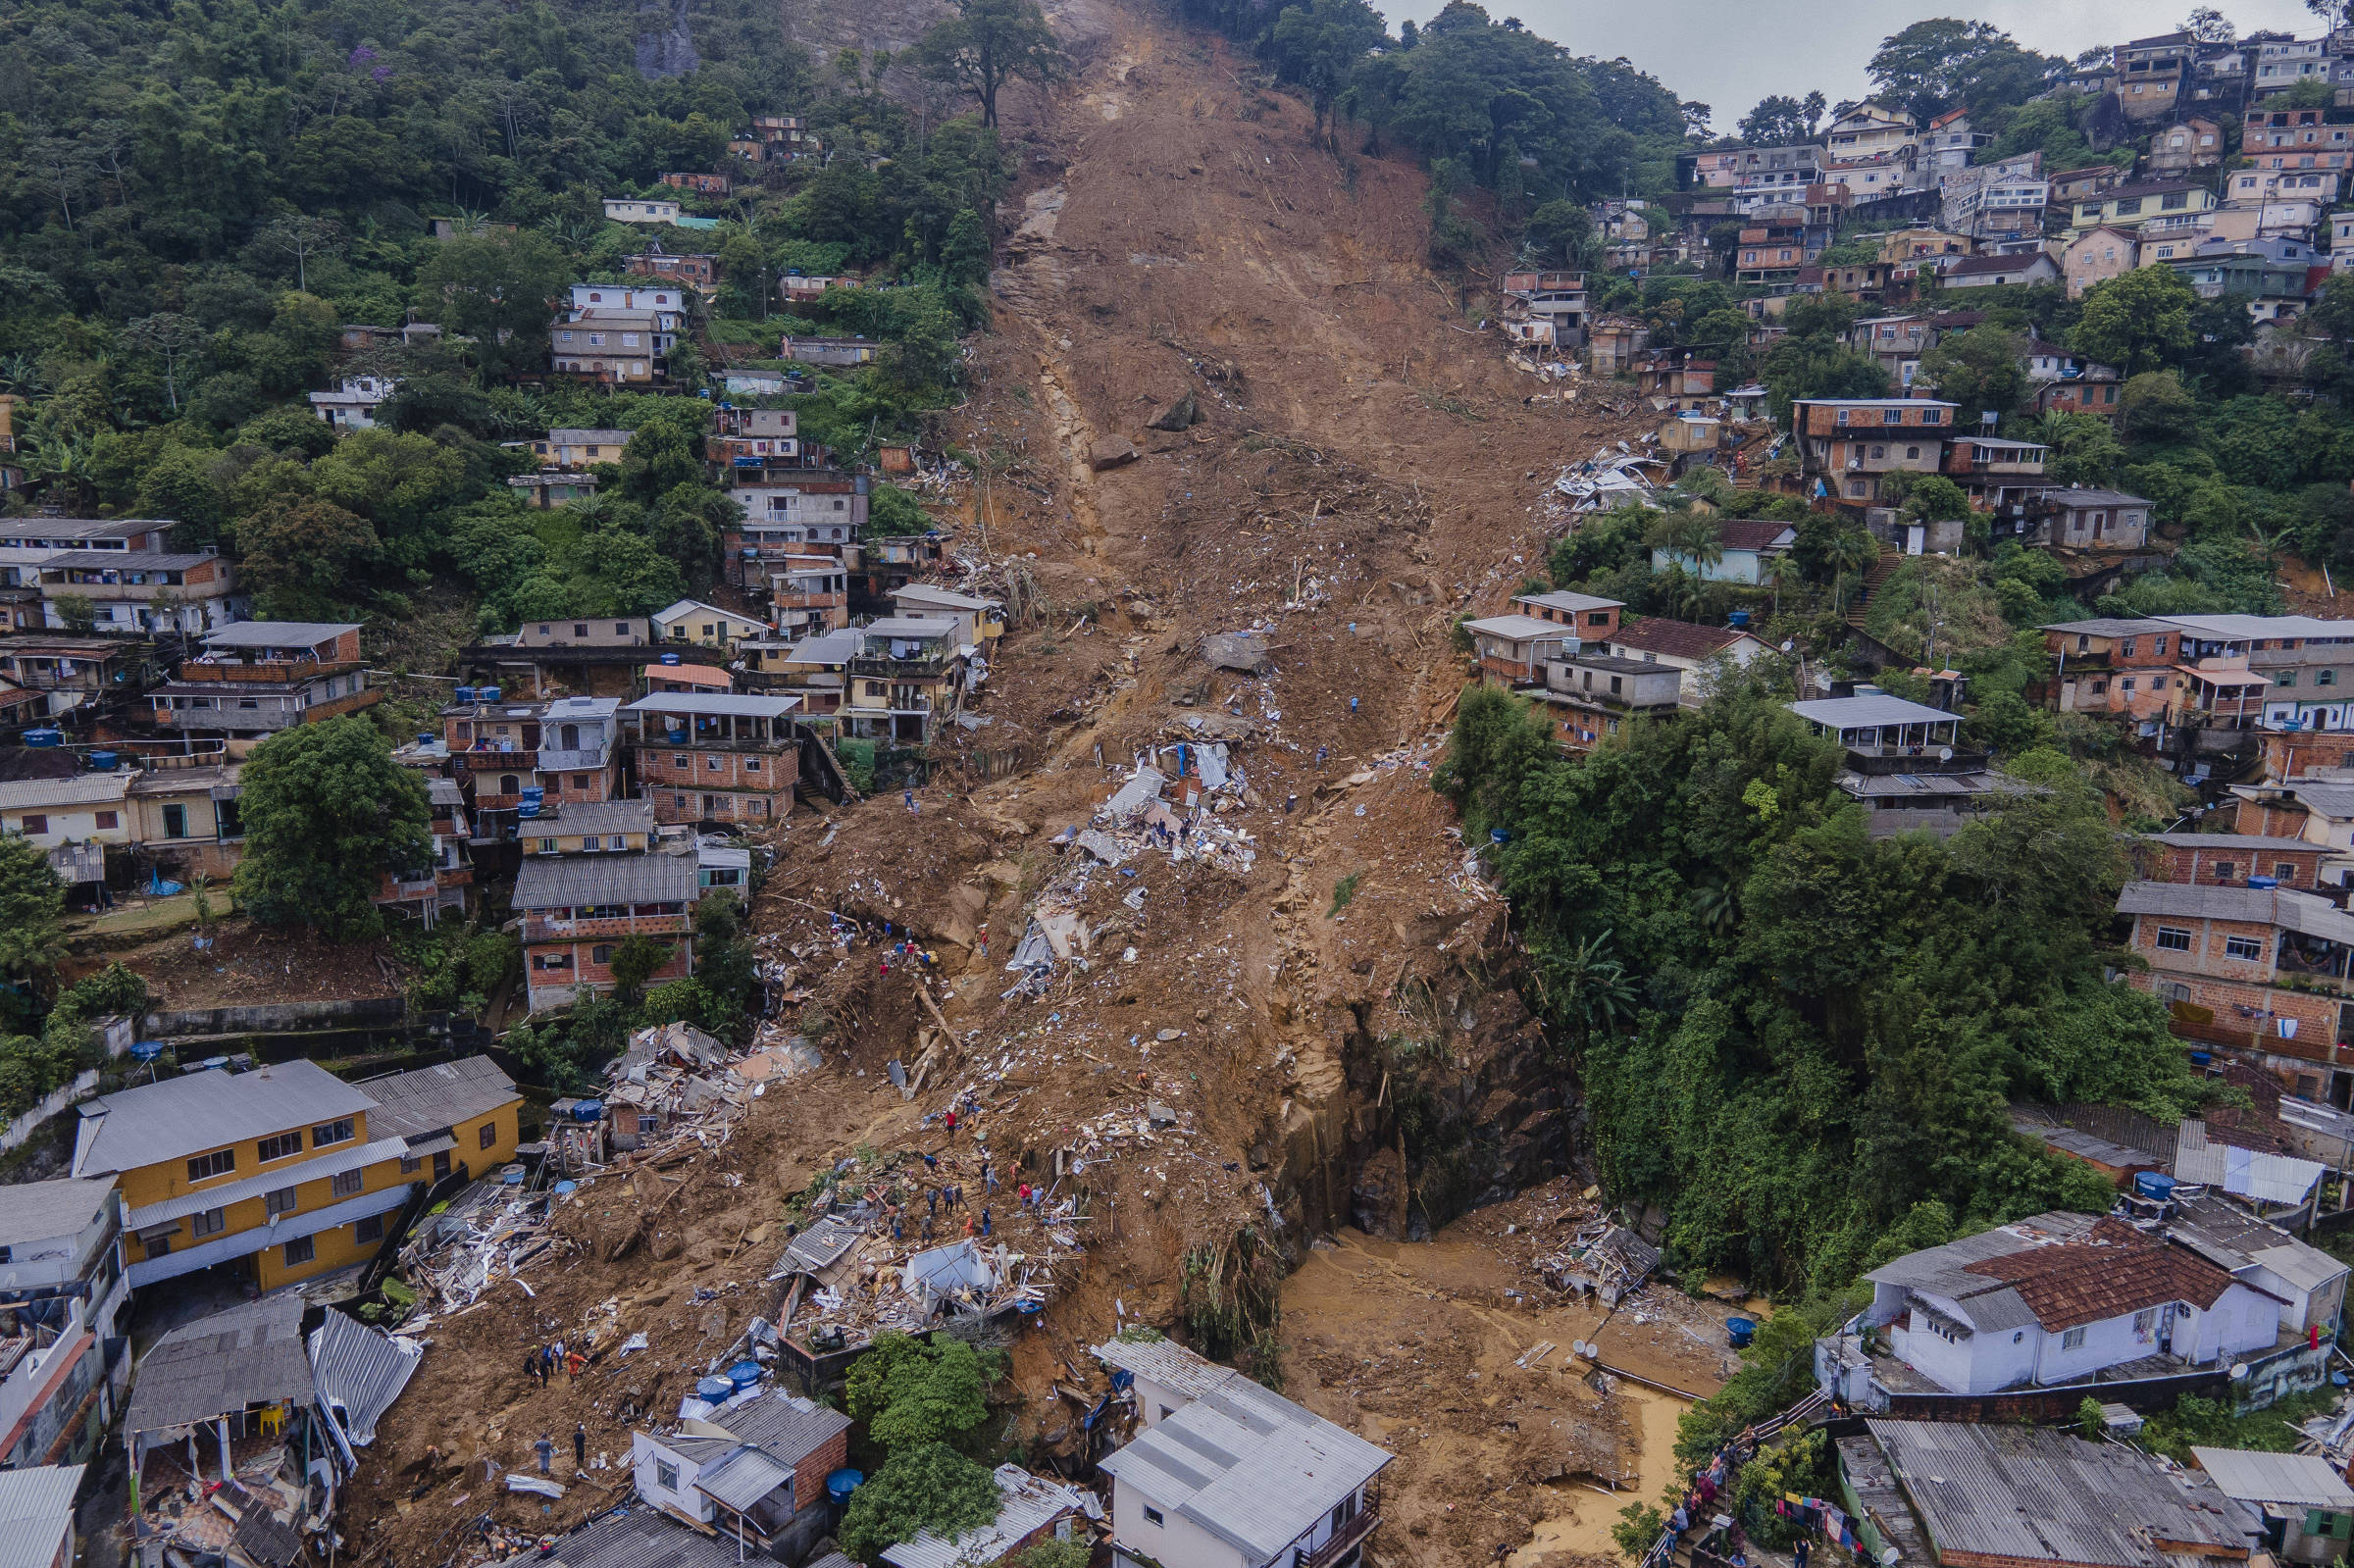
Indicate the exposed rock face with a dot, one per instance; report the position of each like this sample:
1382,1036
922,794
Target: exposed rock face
665,48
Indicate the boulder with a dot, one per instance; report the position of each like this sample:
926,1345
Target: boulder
1110,452
1178,416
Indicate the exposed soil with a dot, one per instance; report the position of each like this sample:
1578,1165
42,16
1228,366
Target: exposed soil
248,965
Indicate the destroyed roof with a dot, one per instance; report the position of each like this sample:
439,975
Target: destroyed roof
1235,650
264,1540
36,1513
1238,1460
1142,789
185,1115
1678,640
790,1428
217,1366
568,881
2032,1495
636,1539
1029,1504
434,1099
358,1372
599,816
817,1248
42,1211
2303,912
2289,1480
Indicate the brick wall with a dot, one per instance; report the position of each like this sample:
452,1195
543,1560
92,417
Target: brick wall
2208,954
2315,1014
809,1473
755,772
2187,864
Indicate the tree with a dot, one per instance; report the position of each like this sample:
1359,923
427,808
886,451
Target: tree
1319,44
2137,320
635,962
1934,498
301,238
1943,63
1980,370
304,557
2084,450
2209,25
498,288
1778,121
32,897
327,813
911,1394
169,338
989,43
1565,234
658,458
2158,411
927,1486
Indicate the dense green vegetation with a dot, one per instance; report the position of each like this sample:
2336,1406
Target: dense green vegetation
922,1405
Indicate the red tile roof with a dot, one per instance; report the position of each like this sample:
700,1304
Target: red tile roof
1681,640
2115,1271
1751,533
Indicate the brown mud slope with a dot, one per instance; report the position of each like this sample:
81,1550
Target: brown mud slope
1364,470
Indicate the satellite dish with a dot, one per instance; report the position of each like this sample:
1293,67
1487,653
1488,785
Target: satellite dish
1945,753
2240,1372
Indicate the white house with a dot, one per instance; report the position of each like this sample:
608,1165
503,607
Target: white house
2061,1297
755,1466
36,1514
82,808
1747,542
62,1280
1684,645
352,405
1227,1474
640,210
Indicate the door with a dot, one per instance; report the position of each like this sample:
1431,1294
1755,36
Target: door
440,1165
176,822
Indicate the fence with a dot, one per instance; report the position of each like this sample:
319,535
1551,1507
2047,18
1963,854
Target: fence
22,1129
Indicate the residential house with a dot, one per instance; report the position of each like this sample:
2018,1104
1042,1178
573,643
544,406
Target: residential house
2248,188
578,910
2283,61
1552,305
1895,342
1905,764
1954,1493
576,449
1614,341
352,405
716,757
81,808
462,1115
701,184
979,622
675,675
275,1175
1774,176
1847,446
2245,967
2058,1299
693,269
2296,138
804,288
1031,1510
691,621
616,347
1998,271
807,595
746,443
546,491
838,353
2305,1505
820,512
1691,649
641,1538
2097,255
1999,201
65,672
814,669
638,209
1998,475
2113,666
2293,655
2132,206
1592,695
2178,150
2232,859
137,593
514,759
1746,543
1512,650
256,678
2150,73
1872,130
1951,142
184,814
1769,255
1591,617
2315,811
907,678
751,1470
2097,520
36,1514
2072,185
1225,1472
2093,389
2310,1284
62,1285
666,301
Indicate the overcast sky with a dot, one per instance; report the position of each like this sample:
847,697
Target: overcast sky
1730,53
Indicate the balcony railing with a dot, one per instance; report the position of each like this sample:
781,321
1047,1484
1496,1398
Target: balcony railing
1344,1538
581,760
520,761
273,671
543,929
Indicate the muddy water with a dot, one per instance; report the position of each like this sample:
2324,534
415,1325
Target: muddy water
1580,1518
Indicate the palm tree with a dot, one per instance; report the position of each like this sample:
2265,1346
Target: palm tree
1778,572
1851,554
1586,987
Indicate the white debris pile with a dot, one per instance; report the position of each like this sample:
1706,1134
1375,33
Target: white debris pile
1609,478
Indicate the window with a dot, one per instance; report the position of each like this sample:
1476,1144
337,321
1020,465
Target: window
648,1124
2286,678
2250,948
2326,678
547,846
410,1165
370,1230
666,1475
299,1251
2175,938
1152,1514
279,1201
2145,1324
339,1132
108,819
279,1148
347,1184
2073,1340
208,1222
2225,870
489,1134
176,822
2284,870
35,823
602,953
219,1162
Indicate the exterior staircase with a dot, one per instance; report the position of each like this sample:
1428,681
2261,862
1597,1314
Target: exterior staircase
1878,573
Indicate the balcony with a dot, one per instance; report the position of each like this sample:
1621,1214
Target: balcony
1347,1536
278,670
878,667
582,759
545,928
518,761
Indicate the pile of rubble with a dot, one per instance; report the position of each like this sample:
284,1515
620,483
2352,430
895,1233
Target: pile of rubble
1603,1259
1609,478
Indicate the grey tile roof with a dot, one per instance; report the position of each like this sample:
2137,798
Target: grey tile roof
37,1509
2073,498
2299,1479
1239,1460
629,879
933,594
434,1099
2039,1495
2107,626
636,1539
2303,912
132,560
42,1211
599,816
182,1116
359,1371
2233,841
790,1429
2323,799
1031,1503
260,1537
250,1355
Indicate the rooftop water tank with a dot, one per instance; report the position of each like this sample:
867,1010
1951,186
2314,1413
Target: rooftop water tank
2154,1185
102,762
670,658
488,694
465,693
589,1110
39,739
841,1484
743,1374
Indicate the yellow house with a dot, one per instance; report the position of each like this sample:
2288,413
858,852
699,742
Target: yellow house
2128,207
286,1171
590,828
705,625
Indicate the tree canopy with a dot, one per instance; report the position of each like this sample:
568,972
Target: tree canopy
328,815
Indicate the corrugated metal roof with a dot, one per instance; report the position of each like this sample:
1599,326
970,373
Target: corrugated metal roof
2038,1495
789,1428
37,1509
2109,627
636,1539
933,594
1564,601
817,1248
1520,629
598,816
1869,712
2322,798
2267,1177
433,1099
715,704
2241,628
743,1477
250,1355
77,790
2233,841
182,1116
42,1211
2304,1480
339,1158
359,1371
2303,912
1239,1460
567,880
1032,1502
277,634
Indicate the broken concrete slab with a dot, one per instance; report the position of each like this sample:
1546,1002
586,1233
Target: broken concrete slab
1235,650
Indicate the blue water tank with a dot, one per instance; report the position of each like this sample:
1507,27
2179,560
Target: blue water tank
1738,618
1740,1331
713,1389
102,762
2154,1185
527,810
146,1050
424,738
841,1484
465,693
39,739
670,658
743,1374
489,693
678,738
2264,881
589,1110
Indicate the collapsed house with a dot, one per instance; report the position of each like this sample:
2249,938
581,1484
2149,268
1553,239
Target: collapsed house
753,1468
1603,1259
